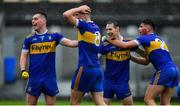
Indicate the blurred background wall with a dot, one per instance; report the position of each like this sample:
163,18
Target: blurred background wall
15,25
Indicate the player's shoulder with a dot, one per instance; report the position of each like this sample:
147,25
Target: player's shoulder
52,33
30,35
139,37
81,20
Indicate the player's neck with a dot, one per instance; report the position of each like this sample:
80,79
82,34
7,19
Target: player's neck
120,36
88,20
151,32
41,32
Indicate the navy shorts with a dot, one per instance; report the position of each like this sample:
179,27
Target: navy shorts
88,79
48,86
120,89
167,77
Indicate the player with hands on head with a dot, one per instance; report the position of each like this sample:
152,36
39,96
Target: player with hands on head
88,76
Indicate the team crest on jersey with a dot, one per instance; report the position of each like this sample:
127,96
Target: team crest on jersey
49,37
34,39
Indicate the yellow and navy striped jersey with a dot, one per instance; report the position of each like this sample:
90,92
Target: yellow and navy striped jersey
89,42
41,49
117,61
157,51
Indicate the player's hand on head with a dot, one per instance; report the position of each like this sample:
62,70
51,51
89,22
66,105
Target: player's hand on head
85,9
24,74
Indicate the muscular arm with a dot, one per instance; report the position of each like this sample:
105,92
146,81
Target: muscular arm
121,44
69,15
140,60
23,60
141,52
69,43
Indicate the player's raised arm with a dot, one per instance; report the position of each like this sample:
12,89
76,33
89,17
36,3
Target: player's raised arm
70,15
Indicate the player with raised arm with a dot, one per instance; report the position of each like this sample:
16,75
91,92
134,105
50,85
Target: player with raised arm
165,78
40,46
88,76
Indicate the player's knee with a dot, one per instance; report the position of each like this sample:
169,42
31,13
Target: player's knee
50,103
29,102
128,100
146,100
165,103
74,102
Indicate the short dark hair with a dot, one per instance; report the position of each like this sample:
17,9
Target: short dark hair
148,22
42,13
115,23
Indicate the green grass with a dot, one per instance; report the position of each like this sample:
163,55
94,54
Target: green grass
66,102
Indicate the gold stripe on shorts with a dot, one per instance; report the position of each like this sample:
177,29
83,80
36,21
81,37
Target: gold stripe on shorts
78,78
156,78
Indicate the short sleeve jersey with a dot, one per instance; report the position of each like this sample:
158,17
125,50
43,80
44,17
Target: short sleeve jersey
89,43
41,49
117,61
157,51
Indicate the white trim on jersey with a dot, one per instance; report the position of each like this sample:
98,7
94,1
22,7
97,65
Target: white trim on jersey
77,22
121,37
137,42
42,33
25,50
61,40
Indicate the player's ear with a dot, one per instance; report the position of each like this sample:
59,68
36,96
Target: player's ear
148,28
118,28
